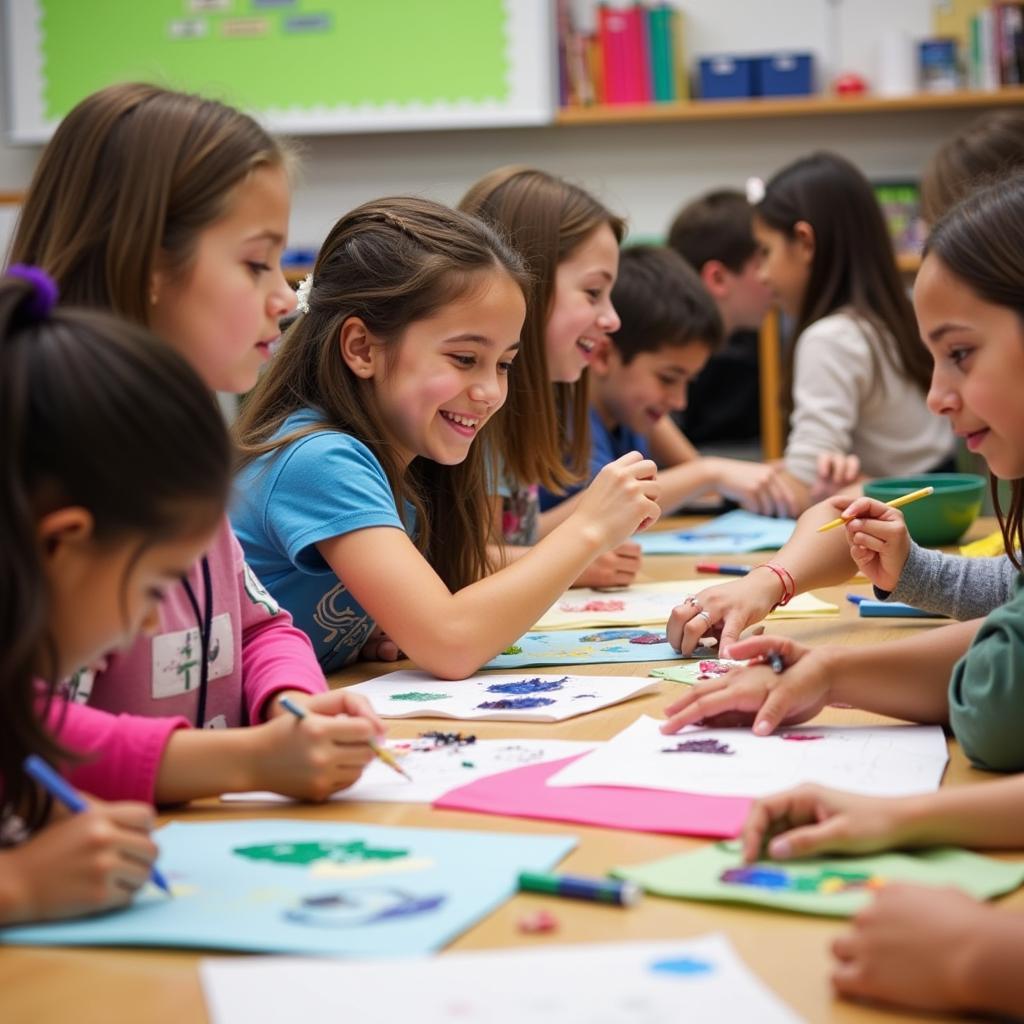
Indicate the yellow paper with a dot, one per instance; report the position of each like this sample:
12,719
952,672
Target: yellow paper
986,547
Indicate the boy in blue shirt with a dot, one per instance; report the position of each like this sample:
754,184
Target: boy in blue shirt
670,326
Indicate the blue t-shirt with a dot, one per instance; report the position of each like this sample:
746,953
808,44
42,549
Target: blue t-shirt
324,485
605,446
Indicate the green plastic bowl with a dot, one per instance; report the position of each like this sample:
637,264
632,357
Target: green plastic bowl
941,518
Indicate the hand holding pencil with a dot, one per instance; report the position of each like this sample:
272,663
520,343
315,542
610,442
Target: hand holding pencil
877,535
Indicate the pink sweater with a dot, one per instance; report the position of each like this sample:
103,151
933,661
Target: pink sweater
254,653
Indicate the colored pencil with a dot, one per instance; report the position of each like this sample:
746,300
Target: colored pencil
723,569
382,752
60,789
899,502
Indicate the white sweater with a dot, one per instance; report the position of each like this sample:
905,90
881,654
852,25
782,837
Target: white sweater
846,401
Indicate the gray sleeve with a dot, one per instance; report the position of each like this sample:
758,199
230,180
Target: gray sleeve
961,587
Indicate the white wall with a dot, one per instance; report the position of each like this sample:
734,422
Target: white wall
644,171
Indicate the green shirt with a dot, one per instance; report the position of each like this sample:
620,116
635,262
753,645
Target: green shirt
986,691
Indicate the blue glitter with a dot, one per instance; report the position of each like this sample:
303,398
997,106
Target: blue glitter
534,685
612,634
515,703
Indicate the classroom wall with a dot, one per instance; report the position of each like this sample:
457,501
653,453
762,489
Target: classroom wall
644,171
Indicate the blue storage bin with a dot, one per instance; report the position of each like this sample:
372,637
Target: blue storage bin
785,74
724,77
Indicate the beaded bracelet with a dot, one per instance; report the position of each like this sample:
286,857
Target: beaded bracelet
787,581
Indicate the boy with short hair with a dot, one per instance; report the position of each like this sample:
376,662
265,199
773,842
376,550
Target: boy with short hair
670,326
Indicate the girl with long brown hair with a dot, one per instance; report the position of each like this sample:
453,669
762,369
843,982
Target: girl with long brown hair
363,496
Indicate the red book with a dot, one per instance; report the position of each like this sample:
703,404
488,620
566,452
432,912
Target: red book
640,35
613,29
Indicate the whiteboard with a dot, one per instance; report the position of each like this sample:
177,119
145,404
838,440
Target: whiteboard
300,66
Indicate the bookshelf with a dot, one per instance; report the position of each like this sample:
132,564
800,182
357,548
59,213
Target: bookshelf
796,106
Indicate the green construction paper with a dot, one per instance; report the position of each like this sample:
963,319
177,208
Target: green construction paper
301,53
696,876
689,672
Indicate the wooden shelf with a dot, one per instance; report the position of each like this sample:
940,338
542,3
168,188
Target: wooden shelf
795,106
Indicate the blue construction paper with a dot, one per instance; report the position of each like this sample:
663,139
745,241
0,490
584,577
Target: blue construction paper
733,533
578,647
868,609
443,880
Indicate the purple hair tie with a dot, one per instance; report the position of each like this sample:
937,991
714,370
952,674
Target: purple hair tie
44,289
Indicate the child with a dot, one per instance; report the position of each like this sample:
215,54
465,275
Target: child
857,375
570,243
963,588
968,302
362,498
87,403
915,947
171,210
669,326
714,235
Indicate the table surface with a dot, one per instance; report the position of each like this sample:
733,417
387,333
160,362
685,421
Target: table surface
790,952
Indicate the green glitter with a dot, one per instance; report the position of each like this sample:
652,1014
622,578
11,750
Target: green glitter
419,695
514,649
308,853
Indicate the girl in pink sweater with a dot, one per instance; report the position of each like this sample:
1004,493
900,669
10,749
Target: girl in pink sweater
171,211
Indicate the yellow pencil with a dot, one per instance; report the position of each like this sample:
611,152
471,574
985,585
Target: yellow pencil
905,499
382,752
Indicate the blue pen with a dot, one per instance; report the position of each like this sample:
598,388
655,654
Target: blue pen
63,791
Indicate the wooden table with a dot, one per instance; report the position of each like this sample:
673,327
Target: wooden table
788,951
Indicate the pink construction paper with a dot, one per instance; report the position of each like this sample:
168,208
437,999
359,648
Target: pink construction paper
522,793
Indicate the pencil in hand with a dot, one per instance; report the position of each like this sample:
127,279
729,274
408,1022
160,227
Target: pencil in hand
904,499
382,752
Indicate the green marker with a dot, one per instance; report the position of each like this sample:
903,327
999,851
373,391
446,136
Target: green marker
597,890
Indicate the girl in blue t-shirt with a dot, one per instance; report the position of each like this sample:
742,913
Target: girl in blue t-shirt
363,499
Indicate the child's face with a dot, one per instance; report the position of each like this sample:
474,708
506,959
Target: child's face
224,314
582,315
748,297
101,598
978,348
639,393
449,374
785,265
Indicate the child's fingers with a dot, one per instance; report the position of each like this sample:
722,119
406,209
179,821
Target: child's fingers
359,707
707,705
758,646
693,693
863,539
828,836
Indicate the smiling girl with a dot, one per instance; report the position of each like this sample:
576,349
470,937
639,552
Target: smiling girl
362,498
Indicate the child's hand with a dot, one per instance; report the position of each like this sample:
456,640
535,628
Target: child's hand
615,568
729,607
313,757
756,693
835,471
756,486
911,947
621,499
82,864
878,539
811,820
380,647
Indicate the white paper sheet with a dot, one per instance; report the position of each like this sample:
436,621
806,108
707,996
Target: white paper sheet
437,769
888,760
648,604
699,981
547,698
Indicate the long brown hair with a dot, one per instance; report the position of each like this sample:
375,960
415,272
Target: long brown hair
991,146
132,175
854,266
981,241
94,412
389,262
545,434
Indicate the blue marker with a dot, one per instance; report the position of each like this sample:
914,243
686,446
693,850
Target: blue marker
63,791
855,598
598,890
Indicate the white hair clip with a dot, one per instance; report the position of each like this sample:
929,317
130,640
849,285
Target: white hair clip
755,190
302,293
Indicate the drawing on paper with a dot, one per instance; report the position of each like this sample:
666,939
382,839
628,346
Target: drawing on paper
513,649
649,638
713,669
684,965
419,695
603,635
302,854
580,696
699,747
447,739
515,703
592,606
533,685
824,882
357,907
801,737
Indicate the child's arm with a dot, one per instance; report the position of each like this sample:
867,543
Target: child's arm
452,635
812,820
933,949
81,864
813,560
906,679
669,446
